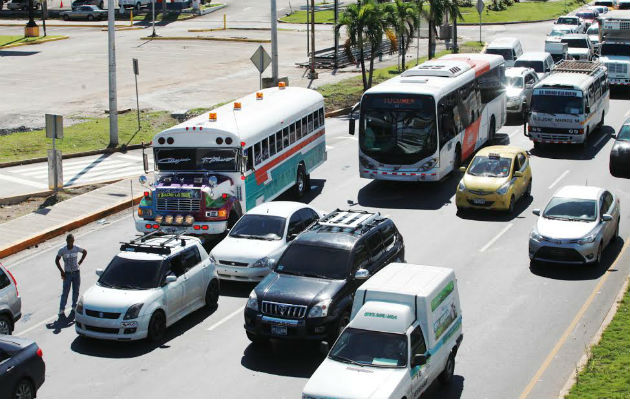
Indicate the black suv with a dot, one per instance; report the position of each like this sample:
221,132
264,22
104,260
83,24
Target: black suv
309,293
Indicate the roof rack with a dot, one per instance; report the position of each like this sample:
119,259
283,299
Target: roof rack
138,244
349,219
577,66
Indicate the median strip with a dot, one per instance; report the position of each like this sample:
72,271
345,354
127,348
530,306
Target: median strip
211,38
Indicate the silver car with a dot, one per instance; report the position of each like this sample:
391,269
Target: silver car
576,226
10,302
519,88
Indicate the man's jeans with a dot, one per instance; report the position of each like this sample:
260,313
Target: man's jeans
74,279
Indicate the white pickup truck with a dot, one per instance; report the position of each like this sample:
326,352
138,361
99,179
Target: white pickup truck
614,32
404,333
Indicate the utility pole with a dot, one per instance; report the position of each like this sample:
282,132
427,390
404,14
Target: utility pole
308,30
153,18
336,34
312,74
111,49
274,43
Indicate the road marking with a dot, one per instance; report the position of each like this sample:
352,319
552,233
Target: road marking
239,310
24,182
572,325
559,179
600,140
37,325
329,147
517,130
349,137
494,239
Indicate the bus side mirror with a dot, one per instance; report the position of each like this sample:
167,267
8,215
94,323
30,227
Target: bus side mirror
351,126
588,109
462,169
99,271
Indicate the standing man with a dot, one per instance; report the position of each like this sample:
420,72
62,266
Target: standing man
70,273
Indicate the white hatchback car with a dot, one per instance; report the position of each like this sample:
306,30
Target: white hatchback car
260,236
10,301
151,284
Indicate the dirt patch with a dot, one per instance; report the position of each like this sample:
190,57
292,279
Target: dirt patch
34,203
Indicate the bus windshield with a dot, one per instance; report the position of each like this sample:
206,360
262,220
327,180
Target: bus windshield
615,49
196,159
398,129
505,53
557,104
576,43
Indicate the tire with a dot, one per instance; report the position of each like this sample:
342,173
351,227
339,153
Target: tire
90,18
255,339
232,219
457,160
157,327
24,389
300,182
537,145
616,234
449,369
339,327
66,17
510,209
601,123
212,294
493,129
138,7
598,259
6,325
528,190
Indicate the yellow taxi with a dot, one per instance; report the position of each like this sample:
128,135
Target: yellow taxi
496,178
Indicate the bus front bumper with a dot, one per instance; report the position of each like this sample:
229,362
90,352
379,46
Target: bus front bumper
558,138
429,176
198,228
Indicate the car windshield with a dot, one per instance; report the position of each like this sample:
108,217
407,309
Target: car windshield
557,104
559,32
514,81
569,209
263,227
506,53
568,21
576,43
370,348
314,261
593,30
615,49
398,129
624,133
538,66
492,166
125,273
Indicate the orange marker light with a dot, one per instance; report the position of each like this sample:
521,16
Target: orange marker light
281,85
237,105
259,95
212,116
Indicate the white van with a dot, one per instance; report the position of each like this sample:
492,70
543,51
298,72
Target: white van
404,333
508,47
541,61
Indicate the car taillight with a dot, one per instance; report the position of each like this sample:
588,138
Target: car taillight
17,293
40,352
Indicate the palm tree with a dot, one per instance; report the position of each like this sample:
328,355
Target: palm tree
451,7
404,19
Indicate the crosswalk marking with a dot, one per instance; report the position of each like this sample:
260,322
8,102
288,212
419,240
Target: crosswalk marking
25,182
43,171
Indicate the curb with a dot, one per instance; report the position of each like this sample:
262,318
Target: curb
216,39
72,155
8,201
61,229
129,28
68,26
8,46
596,339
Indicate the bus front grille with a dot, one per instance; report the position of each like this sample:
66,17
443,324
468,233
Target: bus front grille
177,204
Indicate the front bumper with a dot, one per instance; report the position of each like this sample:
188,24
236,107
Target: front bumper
400,176
557,138
514,107
111,329
300,329
482,200
562,251
204,228
242,274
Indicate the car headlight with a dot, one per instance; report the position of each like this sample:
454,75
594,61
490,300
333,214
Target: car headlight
79,308
320,309
461,187
133,311
252,302
588,239
428,164
504,189
264,262
535,235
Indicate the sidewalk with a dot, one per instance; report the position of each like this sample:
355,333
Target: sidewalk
21,233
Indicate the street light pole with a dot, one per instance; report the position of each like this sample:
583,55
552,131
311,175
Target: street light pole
153,17
274,43
312,74
111,49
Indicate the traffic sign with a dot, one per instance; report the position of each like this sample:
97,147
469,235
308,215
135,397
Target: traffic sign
261,59
54,126
480,6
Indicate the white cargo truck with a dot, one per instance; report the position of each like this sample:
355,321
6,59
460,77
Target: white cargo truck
559,51
614,32
404,332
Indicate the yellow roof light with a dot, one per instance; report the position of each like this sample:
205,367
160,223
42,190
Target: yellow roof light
212,116
282,85
237,105
259,95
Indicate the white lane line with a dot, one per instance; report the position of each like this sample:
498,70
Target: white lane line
79,168
600,140
40,323
24,182
350,137
494,239
517,130
130,157
239,310
559,179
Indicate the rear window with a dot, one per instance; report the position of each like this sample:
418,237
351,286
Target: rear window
4,279
505,53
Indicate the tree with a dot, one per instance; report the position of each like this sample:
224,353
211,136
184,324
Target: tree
434,16
451,7
403,18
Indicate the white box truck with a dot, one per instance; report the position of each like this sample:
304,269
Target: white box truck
404,332
614,51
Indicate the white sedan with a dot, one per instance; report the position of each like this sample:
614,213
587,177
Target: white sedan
576,226
148,286
247,253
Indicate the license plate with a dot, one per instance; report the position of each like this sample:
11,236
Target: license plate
478,201
130,324
278,330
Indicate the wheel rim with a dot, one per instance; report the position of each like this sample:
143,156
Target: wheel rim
300,181
599,254
5,329
156,327
24,391
512,204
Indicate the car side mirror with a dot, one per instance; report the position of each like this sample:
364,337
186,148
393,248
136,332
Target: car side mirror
588,109
462,168
362,273
291,236
613,135
418,360
536,211
170,279
351,126
518,174
324,348
99,271
607,217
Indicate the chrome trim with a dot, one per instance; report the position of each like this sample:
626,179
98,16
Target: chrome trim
290,322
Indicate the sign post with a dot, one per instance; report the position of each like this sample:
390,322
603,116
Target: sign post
261,60
136,72
480,7
54,130
44,14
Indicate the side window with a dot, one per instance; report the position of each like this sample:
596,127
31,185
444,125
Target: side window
250,159
299,129
272,145
176,265
375,244
417,345
4,280
447,120
308,216
522,161
305,130
279,141
322,117
310,123
389,235
190,258
296,224
292,137
360,256
285,138
3,356
257,153
265,149
608,201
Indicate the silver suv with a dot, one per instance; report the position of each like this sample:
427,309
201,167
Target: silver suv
10,302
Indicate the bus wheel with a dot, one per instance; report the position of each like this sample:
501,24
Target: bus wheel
492,130
601,123
457,161
301,183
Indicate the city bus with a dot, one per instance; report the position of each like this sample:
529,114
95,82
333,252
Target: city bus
420,125
213,168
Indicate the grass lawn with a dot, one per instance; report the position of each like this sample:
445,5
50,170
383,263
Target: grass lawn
607,372
347,92
13,39
530,11
299,17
